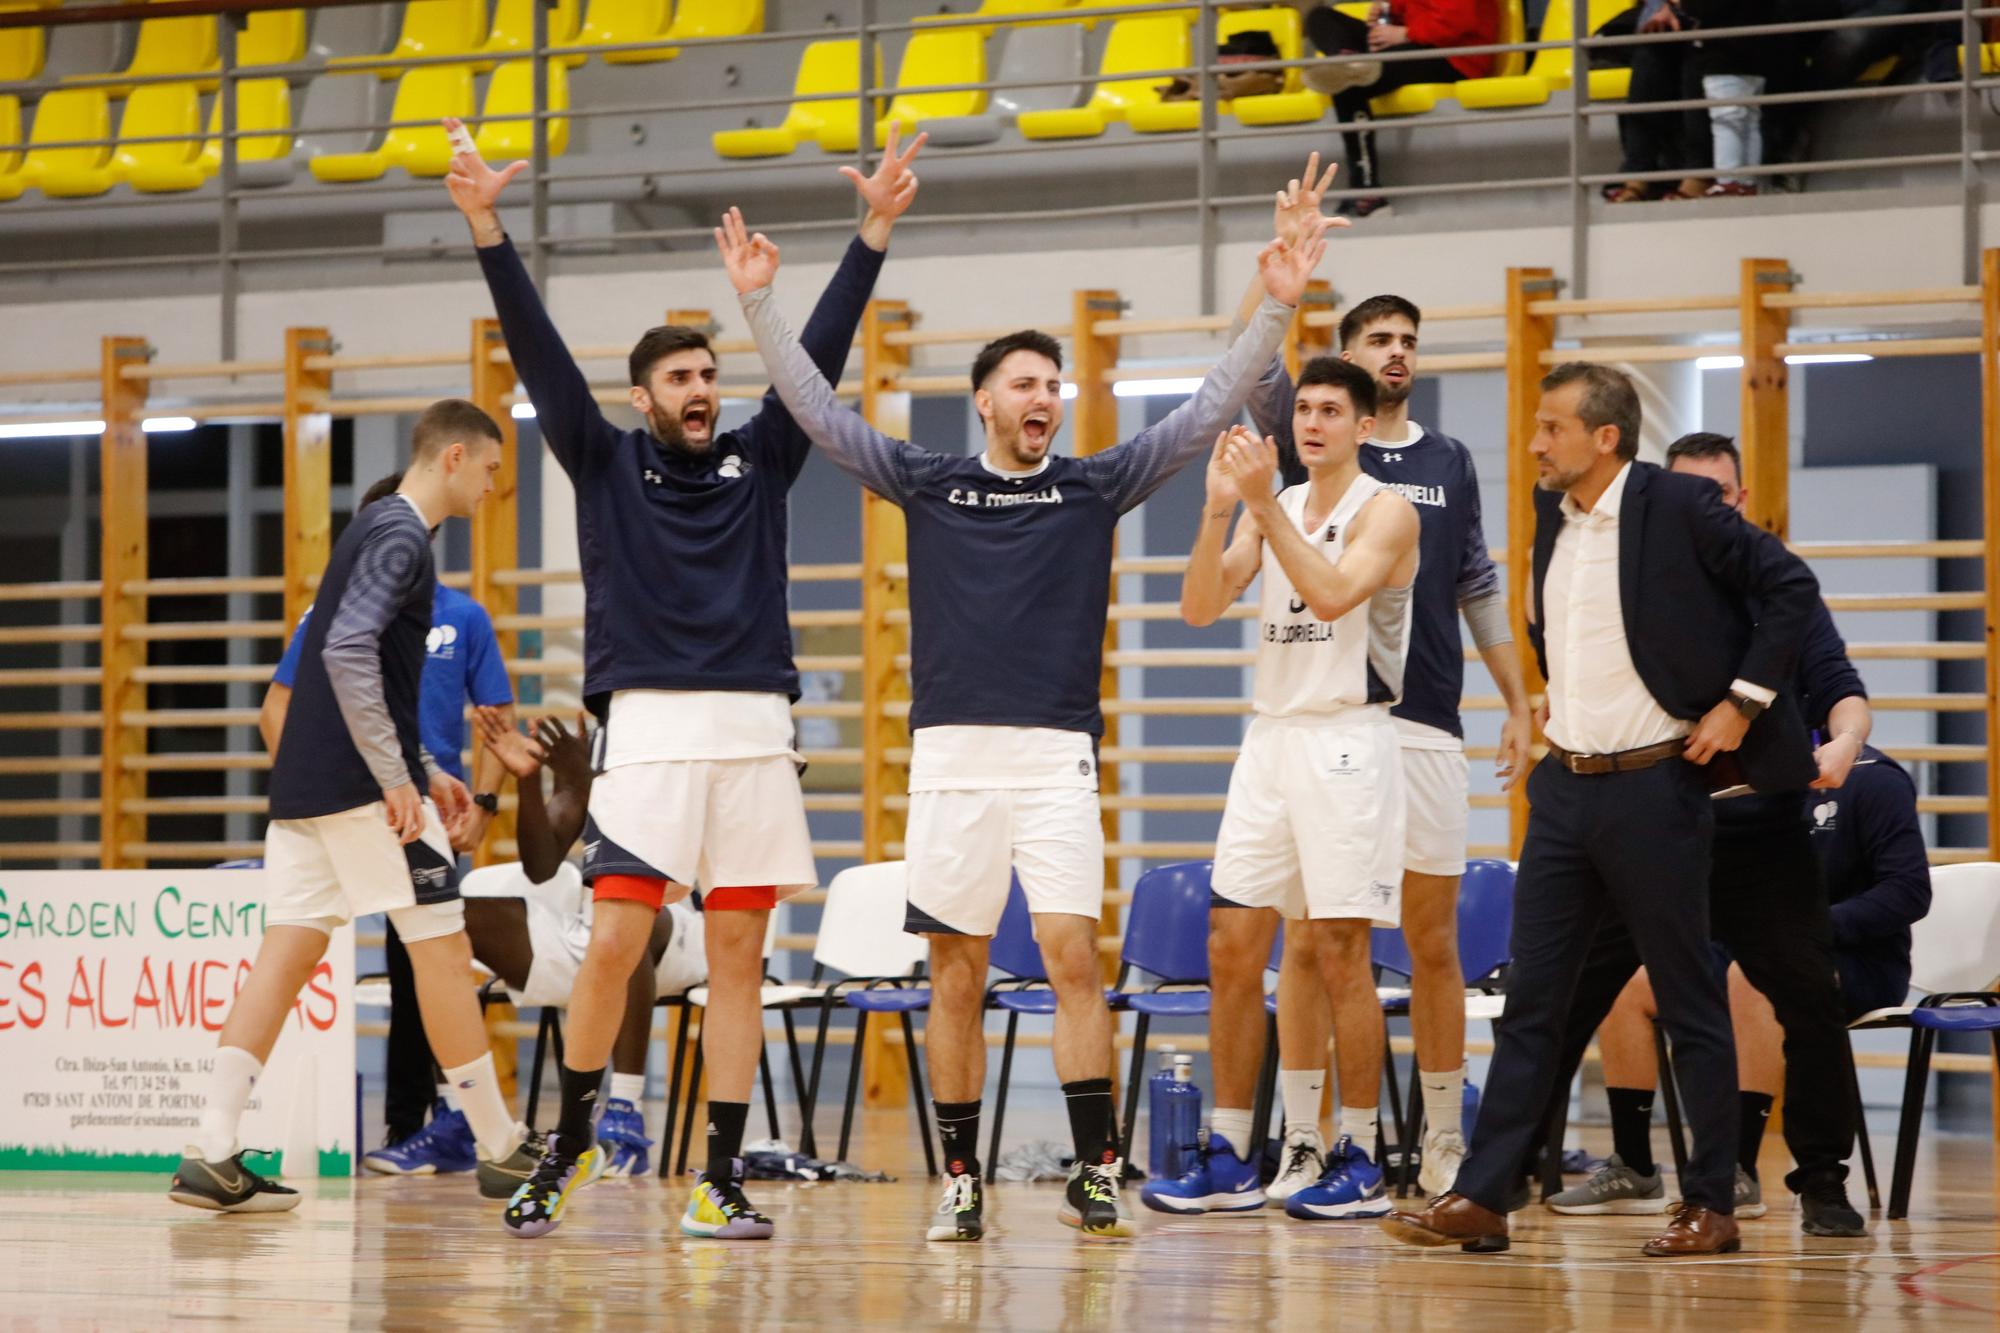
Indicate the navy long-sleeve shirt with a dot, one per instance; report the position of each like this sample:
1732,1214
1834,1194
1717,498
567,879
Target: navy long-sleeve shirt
1871,849
684,561
1822,679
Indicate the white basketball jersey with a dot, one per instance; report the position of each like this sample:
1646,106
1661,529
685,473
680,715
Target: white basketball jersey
1309,665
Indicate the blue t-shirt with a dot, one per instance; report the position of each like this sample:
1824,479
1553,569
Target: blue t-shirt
461,661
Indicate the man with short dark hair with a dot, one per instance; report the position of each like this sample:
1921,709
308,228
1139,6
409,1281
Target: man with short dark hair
351,832
1666,626
1010,573
681,533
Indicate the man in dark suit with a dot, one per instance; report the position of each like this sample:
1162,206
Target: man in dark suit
1644,584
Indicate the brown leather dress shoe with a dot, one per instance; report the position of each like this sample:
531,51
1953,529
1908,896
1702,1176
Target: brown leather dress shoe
1451,1219
1696,1230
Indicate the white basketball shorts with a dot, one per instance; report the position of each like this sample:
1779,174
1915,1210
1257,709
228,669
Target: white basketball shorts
964,847
1434,775
720,823
328,870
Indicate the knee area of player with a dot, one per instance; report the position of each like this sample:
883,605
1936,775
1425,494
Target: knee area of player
1235,946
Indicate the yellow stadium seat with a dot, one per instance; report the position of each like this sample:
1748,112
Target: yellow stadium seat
947,55
190,46
261,104
1147,42
611,22
1549,71
1989,58
514,28
425,95
1289,105
22,50
1610,85
154,110
832,66
13,179
272,37
505,131
64,115
430,28
714,18
1002,8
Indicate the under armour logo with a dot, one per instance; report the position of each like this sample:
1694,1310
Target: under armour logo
1392,458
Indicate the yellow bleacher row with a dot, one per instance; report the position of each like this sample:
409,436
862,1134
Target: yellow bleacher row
162,146
1135,44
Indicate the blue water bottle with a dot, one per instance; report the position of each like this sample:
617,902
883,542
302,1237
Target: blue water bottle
1184,1099
1162,1148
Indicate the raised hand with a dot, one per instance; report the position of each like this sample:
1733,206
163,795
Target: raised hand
1299,202
890,190
567,754
1221,486
1286,268
474,186
1251,464
522,756
752,261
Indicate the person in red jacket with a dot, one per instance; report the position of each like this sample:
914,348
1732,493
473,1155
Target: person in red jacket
1394,27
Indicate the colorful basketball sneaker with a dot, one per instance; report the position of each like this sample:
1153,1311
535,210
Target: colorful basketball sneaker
622,1134
229,1187
961,1214
443,1147
1299,1165
1091,1203
537,1207
718,1210
1350,1188
1218,1182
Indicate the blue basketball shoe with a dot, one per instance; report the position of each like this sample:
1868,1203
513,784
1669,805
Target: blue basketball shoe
443,1147
621,1132
1351,1188
1219,1182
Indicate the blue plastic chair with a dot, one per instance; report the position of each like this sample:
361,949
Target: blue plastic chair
1166,937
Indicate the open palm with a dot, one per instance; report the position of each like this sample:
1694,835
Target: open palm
1299,202
1286,267
475,187
892,187
752,261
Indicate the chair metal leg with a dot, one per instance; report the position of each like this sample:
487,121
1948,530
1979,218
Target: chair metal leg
1670,1091
674,1072
1000,1093
1915,1083
1132,1082
808,1141
1413,1121
541,1054
1861,1135
798,1077
770,1094
1262,1106
693,1097
555,1031
917,1094
853,1080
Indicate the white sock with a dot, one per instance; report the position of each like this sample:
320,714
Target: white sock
1233,1125
449,1096
478,1089
628,1087
1358,1123
229,1088
1444,1100
1302,1090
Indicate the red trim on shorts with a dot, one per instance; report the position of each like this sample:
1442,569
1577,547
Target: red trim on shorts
739,898
648,889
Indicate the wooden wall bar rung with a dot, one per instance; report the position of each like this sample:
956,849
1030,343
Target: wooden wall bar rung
1896,601
203,587
206,629
31,808
47,851
81,589
1562,307
1884,347
25,677
196,805
202,675
52,763
202,370
51,721
196,762
51,634
1638,353
193,851
962,337
1933,550
1864,300
189,717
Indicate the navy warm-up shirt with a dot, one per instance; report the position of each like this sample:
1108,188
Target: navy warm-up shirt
1871,851
1822,679
1010,575
1434,472
684,562
352,731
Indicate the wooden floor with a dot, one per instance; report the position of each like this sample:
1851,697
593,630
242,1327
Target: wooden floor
110,1251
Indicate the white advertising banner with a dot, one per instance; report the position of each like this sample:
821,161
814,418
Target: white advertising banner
113,987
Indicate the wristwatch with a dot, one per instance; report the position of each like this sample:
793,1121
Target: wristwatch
488,801
1747,706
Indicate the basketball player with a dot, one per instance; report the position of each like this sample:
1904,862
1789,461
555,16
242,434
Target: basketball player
1010,567
688,663
1313,824
351,832
1457,578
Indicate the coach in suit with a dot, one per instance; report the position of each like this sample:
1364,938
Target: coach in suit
1662,684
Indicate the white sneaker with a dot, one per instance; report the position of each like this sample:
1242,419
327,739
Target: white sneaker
1437,1167
1301,1162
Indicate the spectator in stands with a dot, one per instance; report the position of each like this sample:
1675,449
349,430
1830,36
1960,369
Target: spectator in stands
1840,57
1733,67
1662,140
462,662
1393,26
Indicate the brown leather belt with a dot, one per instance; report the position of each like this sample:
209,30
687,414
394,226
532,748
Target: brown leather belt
1624,761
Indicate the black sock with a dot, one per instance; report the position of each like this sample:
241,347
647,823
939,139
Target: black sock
1091,1120
1632,1127
725,1137
958,1132
1756,1113
579,1105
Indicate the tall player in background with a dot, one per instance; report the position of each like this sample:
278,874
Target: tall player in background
1312,828
1010,573
681,534
351,832
1435,472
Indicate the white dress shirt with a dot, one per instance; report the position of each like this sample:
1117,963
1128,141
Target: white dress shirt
1597,702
